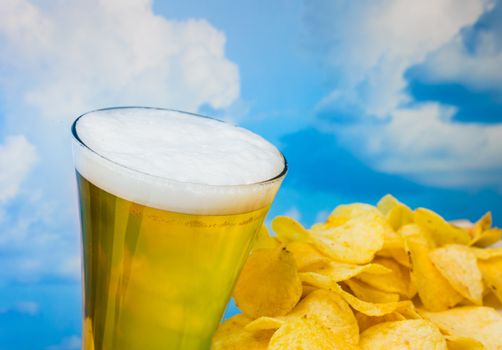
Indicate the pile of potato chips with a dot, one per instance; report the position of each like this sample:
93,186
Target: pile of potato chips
382,277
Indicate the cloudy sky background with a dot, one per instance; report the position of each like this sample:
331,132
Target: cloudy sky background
364,98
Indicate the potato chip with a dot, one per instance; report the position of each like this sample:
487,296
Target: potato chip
326,308
331,311
369,308
396,213
264,240
403,335
387,203
317,280
398,254
434,290
480,323
231,335
392,240
458,264
365,321
370,294
355,241
463,223
353,281
487,253
321,226
343,213
397,281
374,309
289,230
463,343
341,271
393,247
491,271
304,333
266,323
482,233
269,284
488,237
441,231
306,256
307,289
327,278
483,224
491,300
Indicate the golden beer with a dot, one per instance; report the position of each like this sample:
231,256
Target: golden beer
156,279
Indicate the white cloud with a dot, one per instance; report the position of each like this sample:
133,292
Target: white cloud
371,46
78,55
62,58
423,143
37,242
17,158
479,68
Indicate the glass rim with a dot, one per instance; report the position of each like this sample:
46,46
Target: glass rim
76,137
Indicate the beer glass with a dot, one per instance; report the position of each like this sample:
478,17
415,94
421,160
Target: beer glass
160,255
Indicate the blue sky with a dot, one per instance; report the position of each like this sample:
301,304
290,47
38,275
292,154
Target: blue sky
363,98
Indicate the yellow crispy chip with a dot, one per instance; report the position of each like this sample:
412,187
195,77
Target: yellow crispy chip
317,280
396,213
265,322
264,240
434,290
370,294
441,231
393,247
463,343
368,308
392,240
487,253
365,321
288,229
374,309
355,241
343,213
398,254
382,256
306,256
480,323
403,335
489,237
330,311
482,235
326,308
304,333
320,226
491,300
341,271
397,281
307,289
269,284
231,335
491,271
387,203
458,264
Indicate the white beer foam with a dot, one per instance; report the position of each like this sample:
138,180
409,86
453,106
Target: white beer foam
176,161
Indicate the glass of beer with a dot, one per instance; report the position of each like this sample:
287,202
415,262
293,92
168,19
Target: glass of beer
170,204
